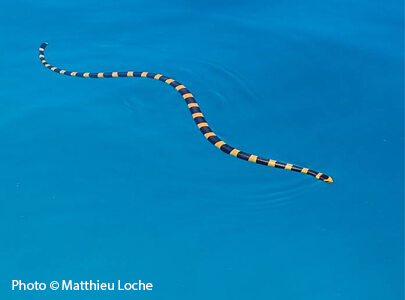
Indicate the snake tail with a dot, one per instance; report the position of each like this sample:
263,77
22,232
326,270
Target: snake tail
196,113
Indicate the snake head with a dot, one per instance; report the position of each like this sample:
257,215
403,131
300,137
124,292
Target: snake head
324,178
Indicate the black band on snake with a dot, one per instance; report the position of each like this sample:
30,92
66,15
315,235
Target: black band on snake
196,114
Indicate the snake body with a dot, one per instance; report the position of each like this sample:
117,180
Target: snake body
196,114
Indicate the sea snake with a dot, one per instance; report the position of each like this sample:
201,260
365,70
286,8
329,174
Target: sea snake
196,114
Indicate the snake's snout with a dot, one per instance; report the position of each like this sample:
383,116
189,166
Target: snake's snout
326,178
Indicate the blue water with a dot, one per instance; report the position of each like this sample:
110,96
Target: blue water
110,179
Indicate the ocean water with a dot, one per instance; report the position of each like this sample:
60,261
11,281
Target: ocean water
110,179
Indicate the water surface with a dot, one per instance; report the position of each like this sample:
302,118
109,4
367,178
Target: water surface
110,179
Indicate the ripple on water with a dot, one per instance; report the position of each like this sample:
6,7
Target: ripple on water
225,84
197,76
267,192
